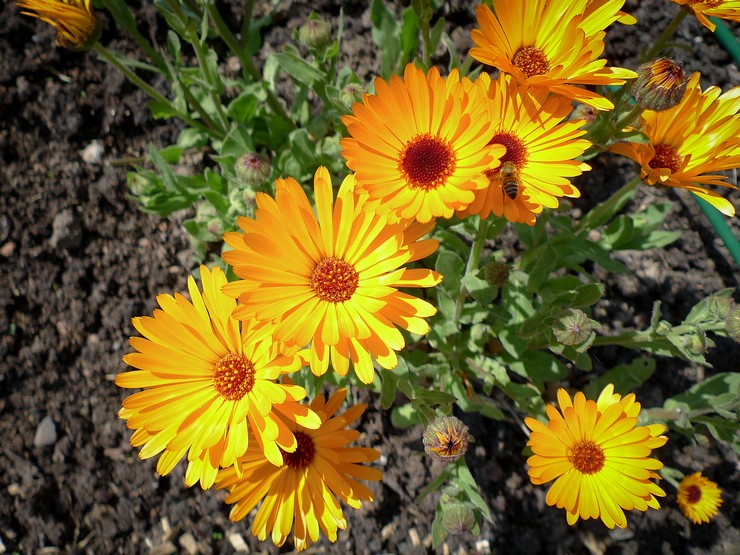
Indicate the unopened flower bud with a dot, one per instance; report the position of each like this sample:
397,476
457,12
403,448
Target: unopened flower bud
315,32
660,84
733,323
458,518
351,93
573,327
446,439
496,273
252,168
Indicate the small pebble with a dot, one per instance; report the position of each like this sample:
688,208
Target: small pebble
46,433
93,153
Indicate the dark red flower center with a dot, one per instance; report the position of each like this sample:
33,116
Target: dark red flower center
586,457
303,454
233,377
531,61
426,162
334,280
693,494
666,157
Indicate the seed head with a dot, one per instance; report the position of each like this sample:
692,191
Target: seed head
573,327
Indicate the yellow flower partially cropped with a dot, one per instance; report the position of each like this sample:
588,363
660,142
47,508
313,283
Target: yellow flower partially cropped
704,9
331,281
303,495
596,10
208,382
419,145
699,498
540,152
598,457
78,28
552,44
699,135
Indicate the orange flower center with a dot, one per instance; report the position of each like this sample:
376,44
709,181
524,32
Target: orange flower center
303,454
333,280
693,494
426,162
516,152
666,157
586,457
234,376
531,61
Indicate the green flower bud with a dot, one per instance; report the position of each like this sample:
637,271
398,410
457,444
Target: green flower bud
573,327
252,168
351,93
458,518
315,32
496,273
732,322
660,84
446,439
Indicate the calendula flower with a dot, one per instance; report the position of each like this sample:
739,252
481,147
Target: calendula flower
208,381
552,44
699,498
78,28
304,493
540,150
331,281
701,134
704,9
598,457
419,145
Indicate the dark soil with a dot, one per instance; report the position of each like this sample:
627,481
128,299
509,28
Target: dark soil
78,260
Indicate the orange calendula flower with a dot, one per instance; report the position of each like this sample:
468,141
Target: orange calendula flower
540,152
699,498
304,493
78,28
208,381
419,145
598,457
704,9
552,44
700,134
331,281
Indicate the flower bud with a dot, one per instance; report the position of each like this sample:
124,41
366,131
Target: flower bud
351,93
732,322
315,32
252,168
573,327
660,84
458,518
496,273
446,439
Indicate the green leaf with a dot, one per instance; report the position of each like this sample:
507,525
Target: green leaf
386,37
543,267
606,210
388,389
405,416
237,142
409,36
625,377
243,108
479,289
721,391
540,366
451,266
298,68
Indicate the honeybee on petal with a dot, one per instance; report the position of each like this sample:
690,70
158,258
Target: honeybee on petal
509,175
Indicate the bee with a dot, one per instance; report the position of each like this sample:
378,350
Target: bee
509,175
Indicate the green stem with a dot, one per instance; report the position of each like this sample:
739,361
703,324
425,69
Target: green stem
629,117
473,262
665,35
227,36
113,60
604,211
247,21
